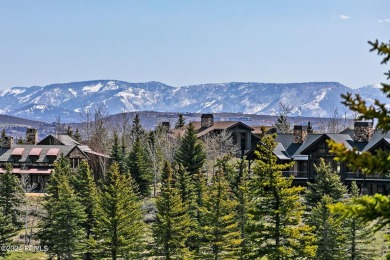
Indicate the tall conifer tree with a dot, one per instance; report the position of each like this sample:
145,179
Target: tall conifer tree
220,227
120,228
139,168
275,219
11,196
191,152
60,229
330,233
173,222
86,192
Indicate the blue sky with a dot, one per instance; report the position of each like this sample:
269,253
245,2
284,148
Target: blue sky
191,42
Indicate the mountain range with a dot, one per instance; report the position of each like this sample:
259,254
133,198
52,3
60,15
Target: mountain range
311,99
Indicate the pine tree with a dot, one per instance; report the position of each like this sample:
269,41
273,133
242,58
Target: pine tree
219,225
120,228
173,222
180,121
326,189
60,230
275,219
7,231
191,153
196,202
86,192
77,135
184,184
309,128
11,196
240,189
139,168
117,154
282,125
329,232
359,236
327,182
137,130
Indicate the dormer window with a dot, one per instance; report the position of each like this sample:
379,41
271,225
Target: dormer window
34,154
52,154
17,154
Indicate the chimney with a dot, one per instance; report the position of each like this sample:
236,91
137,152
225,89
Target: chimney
206,120
32,136
363,131
7,141
300,134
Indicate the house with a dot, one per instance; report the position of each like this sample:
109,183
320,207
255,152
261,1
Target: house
241,133
37,158
307,149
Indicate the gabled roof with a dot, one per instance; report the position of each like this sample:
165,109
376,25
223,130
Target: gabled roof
58,140
218,125
375,140
338,138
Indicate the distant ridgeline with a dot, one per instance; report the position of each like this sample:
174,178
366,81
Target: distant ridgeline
312,99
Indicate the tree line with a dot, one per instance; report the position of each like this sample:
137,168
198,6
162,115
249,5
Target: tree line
200,210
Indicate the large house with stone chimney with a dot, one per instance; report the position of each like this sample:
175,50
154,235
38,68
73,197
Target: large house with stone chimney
307,149
241,133
36,158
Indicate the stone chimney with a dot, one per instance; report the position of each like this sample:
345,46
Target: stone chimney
206,120
300,134
363,131
6,141
32,136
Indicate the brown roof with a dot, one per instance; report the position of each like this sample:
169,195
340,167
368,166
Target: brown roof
218,125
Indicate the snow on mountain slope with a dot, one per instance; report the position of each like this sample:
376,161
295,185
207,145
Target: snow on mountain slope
306,99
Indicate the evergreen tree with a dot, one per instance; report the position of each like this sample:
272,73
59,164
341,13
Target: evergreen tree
86,192
310,129
11,196
61,169
326,189
117,154
3,134
282,125
329,232
359,236
368,208
173,222
220,228
139,168
180,121
191,153
69,131
183,183
120,228
240,189
7,231
327,182
60,230
77,135
196,202
275,219
137,130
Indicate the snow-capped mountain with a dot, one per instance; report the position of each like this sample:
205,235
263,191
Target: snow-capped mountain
67,100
